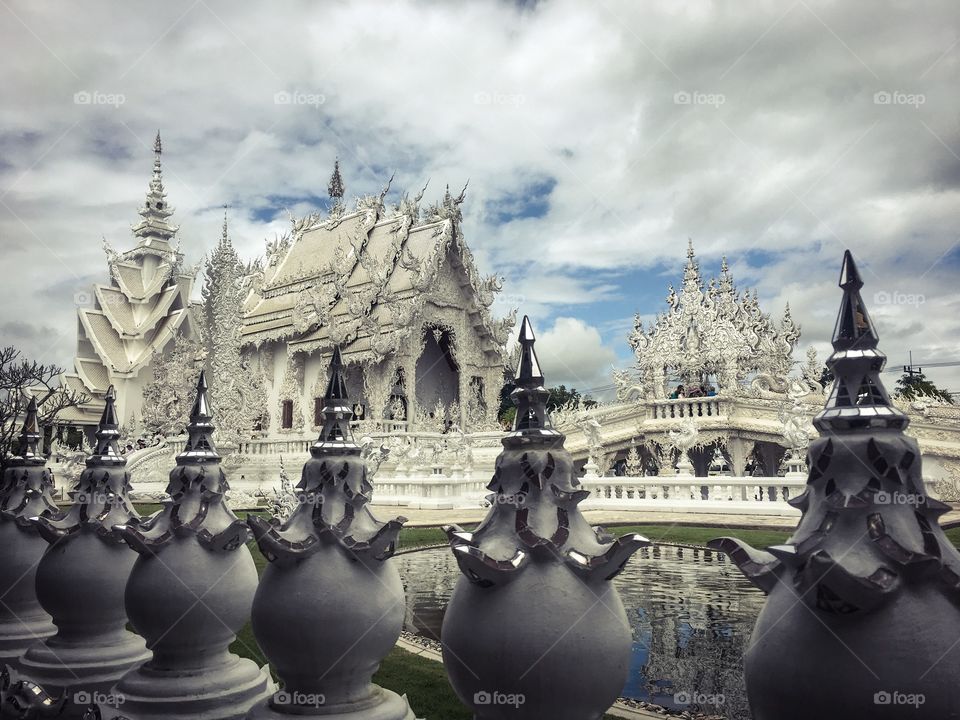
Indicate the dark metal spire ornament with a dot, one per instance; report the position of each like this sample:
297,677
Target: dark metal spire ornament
331,547
27,492
86,561
532,570
335,435
192,549
529,395
863,607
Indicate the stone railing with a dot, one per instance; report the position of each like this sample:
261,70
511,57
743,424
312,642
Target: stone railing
684,408
145,455
717,494
435,492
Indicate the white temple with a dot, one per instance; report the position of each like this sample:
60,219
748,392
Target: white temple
397,289
136,315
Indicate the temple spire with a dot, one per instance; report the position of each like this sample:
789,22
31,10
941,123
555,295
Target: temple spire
108,434
529,395
858,400
335,436
154,227
335,188
199,447
30,435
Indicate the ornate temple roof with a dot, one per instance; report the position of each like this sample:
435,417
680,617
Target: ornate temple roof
144,307
358,279
713,330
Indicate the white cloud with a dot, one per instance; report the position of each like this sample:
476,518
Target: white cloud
798,161
572,353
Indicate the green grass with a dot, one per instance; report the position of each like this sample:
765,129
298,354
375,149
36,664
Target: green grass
688,535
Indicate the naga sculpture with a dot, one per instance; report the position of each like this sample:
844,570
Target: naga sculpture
863,610
330,605
535,600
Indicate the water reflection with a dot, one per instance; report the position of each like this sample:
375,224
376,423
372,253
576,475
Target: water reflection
691,613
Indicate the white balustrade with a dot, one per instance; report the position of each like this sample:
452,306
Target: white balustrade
678,408
714,494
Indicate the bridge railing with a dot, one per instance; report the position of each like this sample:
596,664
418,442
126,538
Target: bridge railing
678,408
715,494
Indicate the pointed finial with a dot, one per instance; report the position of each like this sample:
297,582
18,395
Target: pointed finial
199,447
30,435
335,187
858,400
528,369
849,275
532,421
335,436
223,236
107,450
853,330
157,146
690,248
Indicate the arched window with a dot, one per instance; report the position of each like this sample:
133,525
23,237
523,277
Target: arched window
286,422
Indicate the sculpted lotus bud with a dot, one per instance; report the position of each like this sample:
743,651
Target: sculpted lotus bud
863,608
533,571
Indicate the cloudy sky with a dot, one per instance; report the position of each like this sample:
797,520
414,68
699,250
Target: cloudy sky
597,137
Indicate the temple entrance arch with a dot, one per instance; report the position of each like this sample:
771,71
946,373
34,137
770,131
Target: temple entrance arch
438,377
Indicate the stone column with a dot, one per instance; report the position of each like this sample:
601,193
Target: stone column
81,581
770,454
189,593
861,619
333,555
26,493
534,629
737,452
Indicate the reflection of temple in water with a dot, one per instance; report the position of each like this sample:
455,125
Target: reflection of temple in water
688,637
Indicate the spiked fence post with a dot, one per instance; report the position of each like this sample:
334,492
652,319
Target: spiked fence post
863,601
81,581
189,593
534,628
26,492
330,605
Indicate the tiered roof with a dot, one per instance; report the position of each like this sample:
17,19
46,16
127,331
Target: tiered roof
359,279
143,308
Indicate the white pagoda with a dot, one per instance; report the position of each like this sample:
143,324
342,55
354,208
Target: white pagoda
145,305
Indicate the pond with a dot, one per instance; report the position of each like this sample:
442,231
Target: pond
691,612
